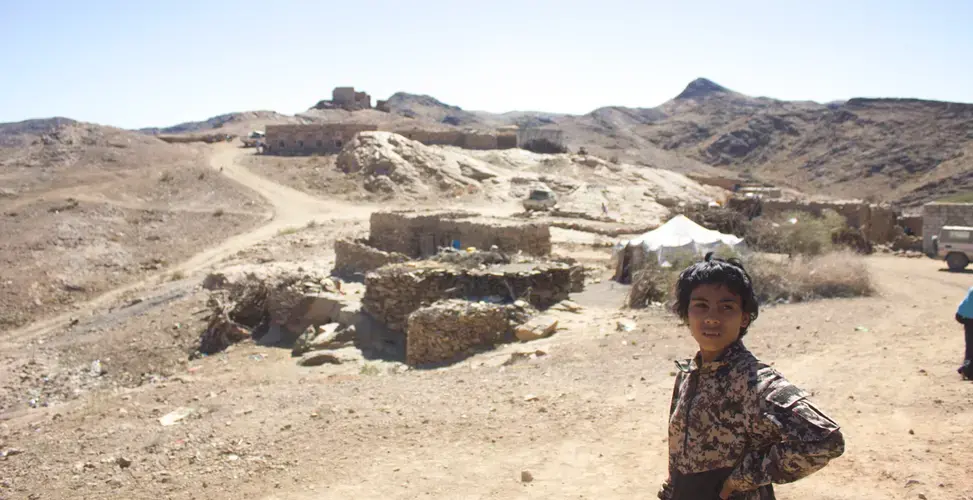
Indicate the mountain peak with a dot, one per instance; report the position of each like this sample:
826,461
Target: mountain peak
701,87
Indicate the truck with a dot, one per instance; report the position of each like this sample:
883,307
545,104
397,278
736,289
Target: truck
954,244
540,198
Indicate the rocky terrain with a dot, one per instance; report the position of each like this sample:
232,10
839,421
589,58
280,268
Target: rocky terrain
86,208
112,237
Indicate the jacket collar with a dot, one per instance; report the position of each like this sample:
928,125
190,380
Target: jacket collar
733,353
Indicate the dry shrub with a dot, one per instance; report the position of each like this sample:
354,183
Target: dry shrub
651,284
833,275
655,283
776,278
809,235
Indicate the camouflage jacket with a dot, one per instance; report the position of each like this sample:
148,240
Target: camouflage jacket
738,419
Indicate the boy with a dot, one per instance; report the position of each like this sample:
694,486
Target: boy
735,424
964,314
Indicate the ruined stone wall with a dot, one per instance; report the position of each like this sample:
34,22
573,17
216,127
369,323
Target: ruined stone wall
507,140
355,258
937,215
530,134
394,292
450,329
479,140
420,234
433,137
305,139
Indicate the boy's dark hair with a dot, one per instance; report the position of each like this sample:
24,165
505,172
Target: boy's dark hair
715,271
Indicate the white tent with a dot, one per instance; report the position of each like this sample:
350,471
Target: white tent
677,236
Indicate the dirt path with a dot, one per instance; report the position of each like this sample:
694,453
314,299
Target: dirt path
291,208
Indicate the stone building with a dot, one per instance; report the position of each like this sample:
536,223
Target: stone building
936,215
350,99
305,139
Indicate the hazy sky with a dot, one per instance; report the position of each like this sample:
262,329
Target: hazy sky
132,63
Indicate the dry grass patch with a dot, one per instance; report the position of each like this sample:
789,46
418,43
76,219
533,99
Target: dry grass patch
776,278
837,274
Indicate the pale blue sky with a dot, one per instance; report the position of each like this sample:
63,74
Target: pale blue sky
133,63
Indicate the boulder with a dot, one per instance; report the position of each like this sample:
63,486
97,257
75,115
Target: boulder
537,328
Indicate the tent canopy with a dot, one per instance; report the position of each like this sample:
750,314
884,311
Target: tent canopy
677,236
681,232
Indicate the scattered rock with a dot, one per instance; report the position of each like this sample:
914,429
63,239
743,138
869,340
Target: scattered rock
526,476
9,452
530,397
625,325
319,358
176,415
569,306
123,462
97,368
537,328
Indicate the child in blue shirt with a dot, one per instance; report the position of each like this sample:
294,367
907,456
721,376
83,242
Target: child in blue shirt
964,314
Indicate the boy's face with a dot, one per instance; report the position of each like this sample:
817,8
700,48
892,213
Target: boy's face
715,318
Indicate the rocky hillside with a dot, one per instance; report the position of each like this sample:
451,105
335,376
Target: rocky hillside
232,123
907,151
901,150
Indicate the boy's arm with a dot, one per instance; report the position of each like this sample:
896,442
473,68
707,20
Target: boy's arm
797,439
665,493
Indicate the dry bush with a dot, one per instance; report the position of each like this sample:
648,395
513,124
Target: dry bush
837,274
810,235
833,275
650,284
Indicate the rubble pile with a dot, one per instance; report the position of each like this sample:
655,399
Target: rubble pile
250,306
393,292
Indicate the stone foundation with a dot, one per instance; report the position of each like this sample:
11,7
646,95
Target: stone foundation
451,329
420,234
355,258
394,292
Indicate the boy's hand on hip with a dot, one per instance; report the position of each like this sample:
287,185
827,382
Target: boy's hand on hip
728,489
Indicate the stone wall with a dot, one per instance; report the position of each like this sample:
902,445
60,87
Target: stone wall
350,99
393,292
420,234
355,258
937,215
306,139
451,329
460,139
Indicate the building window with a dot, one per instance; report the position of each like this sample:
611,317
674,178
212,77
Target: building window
300,144
320,144
337,143
283,144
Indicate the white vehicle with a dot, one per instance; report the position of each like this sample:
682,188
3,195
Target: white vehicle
540,199
954,244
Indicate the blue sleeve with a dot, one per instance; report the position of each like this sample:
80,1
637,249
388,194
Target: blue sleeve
966,307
